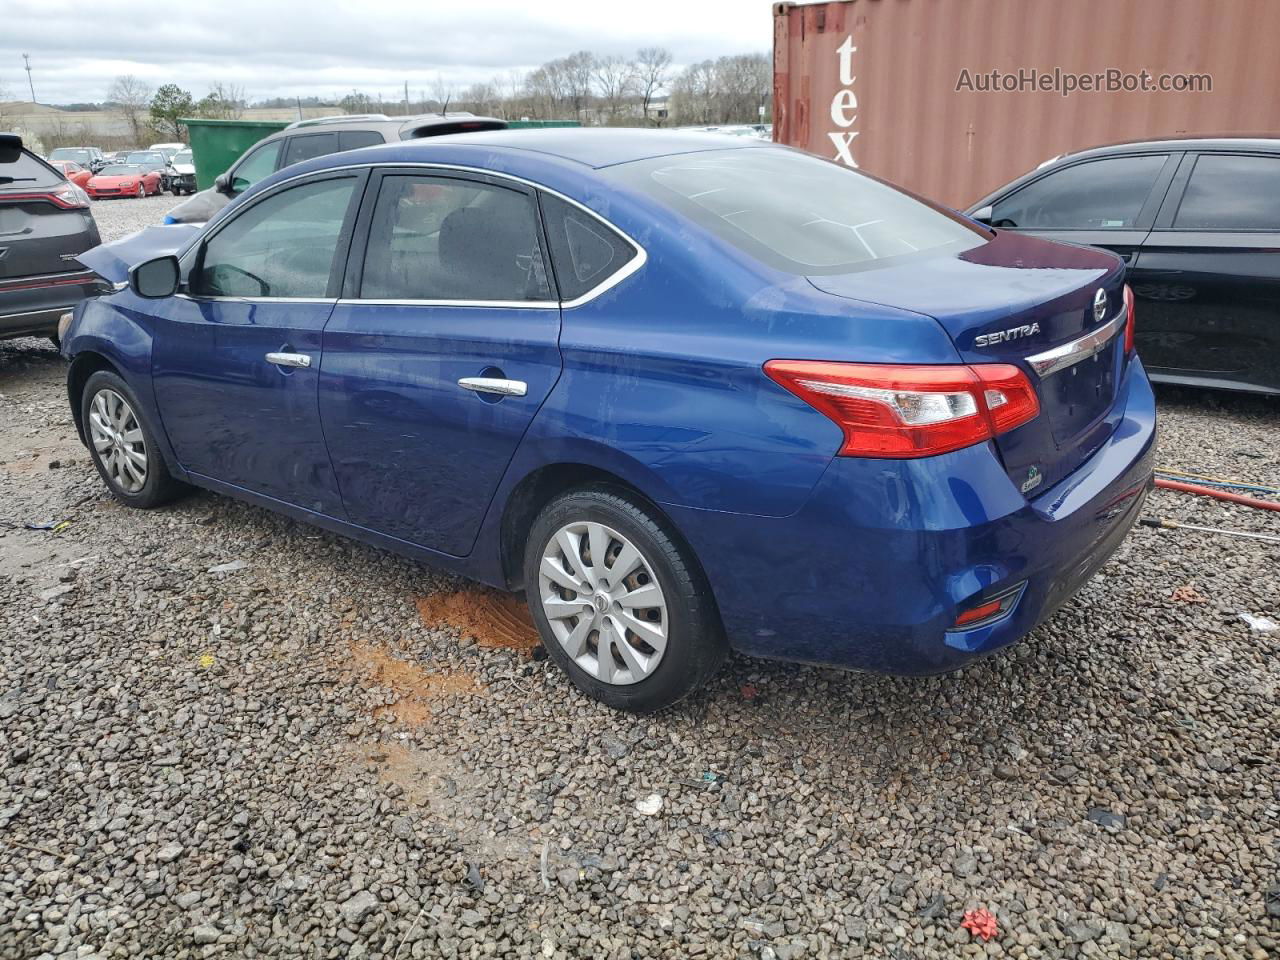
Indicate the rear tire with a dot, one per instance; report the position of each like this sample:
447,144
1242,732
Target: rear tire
123,444
635,627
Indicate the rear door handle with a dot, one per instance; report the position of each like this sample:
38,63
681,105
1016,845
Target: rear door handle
504,388
289,359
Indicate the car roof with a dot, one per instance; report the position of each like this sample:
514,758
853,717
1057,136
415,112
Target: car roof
392,128
1262,142
593,147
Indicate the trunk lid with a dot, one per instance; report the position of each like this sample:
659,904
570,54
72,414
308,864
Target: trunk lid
1012,300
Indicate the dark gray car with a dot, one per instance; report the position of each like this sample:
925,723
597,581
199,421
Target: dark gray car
319,137
44,223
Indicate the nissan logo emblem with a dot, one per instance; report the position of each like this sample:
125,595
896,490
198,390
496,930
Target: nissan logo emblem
1099,305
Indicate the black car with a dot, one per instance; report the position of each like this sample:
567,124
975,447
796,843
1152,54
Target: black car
1198,223
91,158
319,137
44,223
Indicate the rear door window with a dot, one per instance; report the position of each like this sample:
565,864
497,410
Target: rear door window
281,246
1228,192
584,251
435,238
1106,194
355,139
310,146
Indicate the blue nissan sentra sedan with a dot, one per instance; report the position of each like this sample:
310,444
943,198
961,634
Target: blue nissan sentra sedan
687,395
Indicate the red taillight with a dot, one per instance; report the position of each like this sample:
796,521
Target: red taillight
901,411
66,195
981,612
1128,319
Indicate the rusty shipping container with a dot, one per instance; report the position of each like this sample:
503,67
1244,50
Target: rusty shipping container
901,87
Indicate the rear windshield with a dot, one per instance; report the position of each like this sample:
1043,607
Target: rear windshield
146,157
798,213
28,171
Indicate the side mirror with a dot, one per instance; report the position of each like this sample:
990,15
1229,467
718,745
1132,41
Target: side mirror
983,214
156,278
223,183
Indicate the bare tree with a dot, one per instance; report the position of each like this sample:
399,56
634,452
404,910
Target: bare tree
442,90
479,98
132,97
579,71
615,79
653,68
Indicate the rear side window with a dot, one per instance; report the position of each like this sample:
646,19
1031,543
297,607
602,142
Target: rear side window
1103,194
310,146
282,246
1231,193
435,238
797,213
28,172
355,139
584,251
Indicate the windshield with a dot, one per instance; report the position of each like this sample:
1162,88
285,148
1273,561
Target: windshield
70,153
120,170
183,156
145,157
798,213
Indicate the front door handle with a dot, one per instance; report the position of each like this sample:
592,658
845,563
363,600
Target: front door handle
504,388
289,359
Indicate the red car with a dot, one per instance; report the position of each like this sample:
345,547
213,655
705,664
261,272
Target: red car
72,171
123,180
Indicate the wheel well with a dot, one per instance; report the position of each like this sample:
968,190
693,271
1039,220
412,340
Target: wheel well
537,490
83,367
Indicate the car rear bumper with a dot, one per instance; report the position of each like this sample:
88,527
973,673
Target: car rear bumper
32,305
872,572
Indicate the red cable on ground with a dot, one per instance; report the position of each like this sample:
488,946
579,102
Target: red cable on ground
1217,494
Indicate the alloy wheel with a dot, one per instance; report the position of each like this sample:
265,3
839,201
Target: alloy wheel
603,602
117,439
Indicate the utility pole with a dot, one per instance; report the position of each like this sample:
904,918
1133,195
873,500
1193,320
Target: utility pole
27,58
406,98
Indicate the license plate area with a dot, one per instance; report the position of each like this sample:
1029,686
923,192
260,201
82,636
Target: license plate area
1076,397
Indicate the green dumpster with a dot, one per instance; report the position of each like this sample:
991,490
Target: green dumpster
217,144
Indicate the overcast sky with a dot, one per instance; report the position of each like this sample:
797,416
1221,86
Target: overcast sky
292,47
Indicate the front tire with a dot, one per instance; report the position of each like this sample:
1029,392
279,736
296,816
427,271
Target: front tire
620,603
122,443
141,192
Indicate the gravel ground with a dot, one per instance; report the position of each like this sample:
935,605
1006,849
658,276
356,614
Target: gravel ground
299,758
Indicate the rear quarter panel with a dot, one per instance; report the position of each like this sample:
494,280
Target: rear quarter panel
663,376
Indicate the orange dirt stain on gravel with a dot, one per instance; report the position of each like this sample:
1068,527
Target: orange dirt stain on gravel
414,687
494,618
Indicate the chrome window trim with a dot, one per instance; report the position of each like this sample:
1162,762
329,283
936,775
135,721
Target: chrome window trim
195,298
615,278
1069,354
496,304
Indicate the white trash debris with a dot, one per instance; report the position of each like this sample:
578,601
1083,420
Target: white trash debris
230,567
1259,624
649,805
